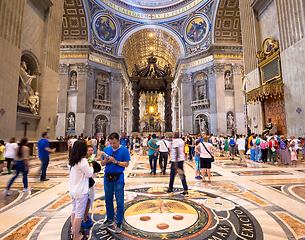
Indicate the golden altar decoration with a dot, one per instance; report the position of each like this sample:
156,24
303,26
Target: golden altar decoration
151,118
268,90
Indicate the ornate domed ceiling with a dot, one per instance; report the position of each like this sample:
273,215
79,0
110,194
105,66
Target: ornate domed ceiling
152,3
139,46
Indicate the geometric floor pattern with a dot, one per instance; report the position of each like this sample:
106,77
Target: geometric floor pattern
260,201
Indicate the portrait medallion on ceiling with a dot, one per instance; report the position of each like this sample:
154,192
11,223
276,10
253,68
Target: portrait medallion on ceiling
197,29
105,28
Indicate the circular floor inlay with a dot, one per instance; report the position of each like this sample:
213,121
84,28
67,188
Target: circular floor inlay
163,226
178,217
145,218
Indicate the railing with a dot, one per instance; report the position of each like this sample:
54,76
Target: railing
102,104
200,104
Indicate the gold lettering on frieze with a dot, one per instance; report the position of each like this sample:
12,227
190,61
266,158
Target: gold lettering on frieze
234,56
104,61
197,62
73,55
152,16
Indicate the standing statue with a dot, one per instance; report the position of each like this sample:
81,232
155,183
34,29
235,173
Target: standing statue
135,70
228,80
99,125
71,120
34,103
24,88
73,80
202,92
167,70
230,121
202,125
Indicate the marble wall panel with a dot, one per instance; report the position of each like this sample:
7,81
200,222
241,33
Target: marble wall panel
61,124
268,24
293,73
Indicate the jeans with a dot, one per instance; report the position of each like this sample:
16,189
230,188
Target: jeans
20,168
9,160
272,155
94,148
173,174
191,152
44,166
163,161
153,162
259,153
117,189
253,155
265,154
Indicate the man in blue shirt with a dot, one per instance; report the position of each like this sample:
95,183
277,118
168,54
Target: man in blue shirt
125,141
44,152
118,158
153,153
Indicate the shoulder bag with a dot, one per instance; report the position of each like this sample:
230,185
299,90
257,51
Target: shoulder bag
208,152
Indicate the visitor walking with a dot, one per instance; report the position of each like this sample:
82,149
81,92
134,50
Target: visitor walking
241,146
21,158
80,172
206,149
2,150
9,154
44,151
144,144
153,153
232,147
163,148
114,181
177,160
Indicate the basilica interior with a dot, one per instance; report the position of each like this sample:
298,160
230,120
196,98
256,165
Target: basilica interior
93,67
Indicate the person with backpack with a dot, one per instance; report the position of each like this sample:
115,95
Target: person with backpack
258,144
272,152
264,149
232,147
163,148
254,151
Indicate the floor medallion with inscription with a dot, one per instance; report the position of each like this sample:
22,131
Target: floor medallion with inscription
151,213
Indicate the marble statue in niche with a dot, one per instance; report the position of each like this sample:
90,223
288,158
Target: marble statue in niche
25,90
34,103
99,125
228,79
230,120
73,80
71,122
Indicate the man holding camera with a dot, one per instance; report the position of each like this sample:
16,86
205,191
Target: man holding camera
115,157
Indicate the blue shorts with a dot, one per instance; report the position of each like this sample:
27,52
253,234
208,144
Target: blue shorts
197,161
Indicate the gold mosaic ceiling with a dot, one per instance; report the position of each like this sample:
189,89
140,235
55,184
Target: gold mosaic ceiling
139,46
227,24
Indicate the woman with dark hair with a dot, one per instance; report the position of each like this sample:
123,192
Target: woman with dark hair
21,159
80,172
10,149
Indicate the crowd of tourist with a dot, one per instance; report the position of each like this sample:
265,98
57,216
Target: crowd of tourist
88,154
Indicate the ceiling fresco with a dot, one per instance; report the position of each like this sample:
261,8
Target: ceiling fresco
122,35
141,44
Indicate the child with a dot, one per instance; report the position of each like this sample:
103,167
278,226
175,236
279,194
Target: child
293,156
137,146
197,161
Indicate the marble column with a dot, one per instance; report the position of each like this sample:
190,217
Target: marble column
116,99
186,98
136,108
168,107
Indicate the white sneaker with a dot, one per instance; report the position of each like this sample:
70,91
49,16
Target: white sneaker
27,189
7,192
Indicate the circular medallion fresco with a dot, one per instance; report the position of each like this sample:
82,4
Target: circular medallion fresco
197,29
105,28
267,45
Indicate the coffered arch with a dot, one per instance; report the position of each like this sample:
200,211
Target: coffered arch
227,27
75,25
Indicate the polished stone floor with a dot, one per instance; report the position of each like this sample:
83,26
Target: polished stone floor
260,201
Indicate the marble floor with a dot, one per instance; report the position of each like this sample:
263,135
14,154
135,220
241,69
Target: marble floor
260,201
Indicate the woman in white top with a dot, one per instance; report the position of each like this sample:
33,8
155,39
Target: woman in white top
205,157
80,172
9,154
21,158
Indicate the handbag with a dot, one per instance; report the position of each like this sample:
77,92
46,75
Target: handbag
112,177
91,182
208,152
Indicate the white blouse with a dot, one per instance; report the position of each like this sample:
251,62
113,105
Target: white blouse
79,177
